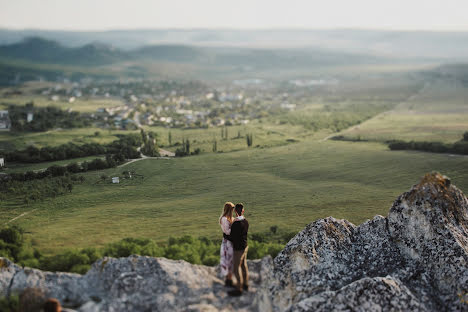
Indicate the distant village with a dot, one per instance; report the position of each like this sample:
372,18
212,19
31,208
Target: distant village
176,104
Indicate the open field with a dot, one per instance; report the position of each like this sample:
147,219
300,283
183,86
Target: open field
89,105
288,186
439,112
12,140
265,135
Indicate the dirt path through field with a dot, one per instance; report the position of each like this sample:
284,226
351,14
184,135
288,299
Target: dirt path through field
143,157
21,215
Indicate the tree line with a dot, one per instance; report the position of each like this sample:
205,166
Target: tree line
184,150
196,250
125,146
459,147
34,190
111,161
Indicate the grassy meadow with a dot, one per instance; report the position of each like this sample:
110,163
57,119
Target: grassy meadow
288,186
438,112
81,105
12,140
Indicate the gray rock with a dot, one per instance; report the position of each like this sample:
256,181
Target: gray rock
138,283
413,259
422,245
366,294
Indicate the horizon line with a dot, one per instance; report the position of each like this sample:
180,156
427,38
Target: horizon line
3,28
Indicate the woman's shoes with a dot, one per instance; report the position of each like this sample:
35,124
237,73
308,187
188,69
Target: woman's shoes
228,283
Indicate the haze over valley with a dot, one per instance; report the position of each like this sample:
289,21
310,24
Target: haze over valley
129,140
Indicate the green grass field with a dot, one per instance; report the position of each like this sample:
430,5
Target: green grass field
288,186
12,140
265,135
79,105
439,112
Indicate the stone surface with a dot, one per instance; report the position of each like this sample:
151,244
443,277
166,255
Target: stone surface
422,246
413,259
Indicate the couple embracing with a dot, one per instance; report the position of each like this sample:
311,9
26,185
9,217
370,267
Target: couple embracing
234,248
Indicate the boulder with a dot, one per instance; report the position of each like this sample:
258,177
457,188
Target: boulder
420,249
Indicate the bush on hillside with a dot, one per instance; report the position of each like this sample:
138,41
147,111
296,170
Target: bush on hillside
460,147
199,250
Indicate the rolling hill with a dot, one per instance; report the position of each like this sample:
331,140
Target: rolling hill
39,50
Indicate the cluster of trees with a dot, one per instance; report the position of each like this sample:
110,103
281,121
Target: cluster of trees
110,161
184,150
34,190
150,147
199,250
125,147
45,118
460,147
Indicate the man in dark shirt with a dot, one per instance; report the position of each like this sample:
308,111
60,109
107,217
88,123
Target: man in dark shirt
238,237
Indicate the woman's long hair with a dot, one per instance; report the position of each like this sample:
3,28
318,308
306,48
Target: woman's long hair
227,212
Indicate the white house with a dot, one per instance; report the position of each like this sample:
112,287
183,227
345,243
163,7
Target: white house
30,117
2,162
115,180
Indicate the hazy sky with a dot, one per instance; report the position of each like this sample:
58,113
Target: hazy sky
123,14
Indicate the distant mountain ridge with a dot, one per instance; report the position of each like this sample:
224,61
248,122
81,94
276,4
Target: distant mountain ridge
47,51
42,50
442,44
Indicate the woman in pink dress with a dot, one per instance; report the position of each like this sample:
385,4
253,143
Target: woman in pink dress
227,251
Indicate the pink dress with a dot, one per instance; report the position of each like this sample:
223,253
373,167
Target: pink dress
227,250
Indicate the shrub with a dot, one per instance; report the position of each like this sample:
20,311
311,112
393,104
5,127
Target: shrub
65,261
73,168
259,250
201,250
274,229
9,304
132,246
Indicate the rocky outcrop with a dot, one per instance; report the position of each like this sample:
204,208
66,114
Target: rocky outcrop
138,283
414,259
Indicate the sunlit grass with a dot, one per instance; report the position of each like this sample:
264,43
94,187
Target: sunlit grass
288,186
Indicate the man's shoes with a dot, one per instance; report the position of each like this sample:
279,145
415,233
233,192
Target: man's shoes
235,293
228,282
246,287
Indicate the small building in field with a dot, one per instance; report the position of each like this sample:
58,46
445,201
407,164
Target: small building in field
2,162
115,180
30,117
